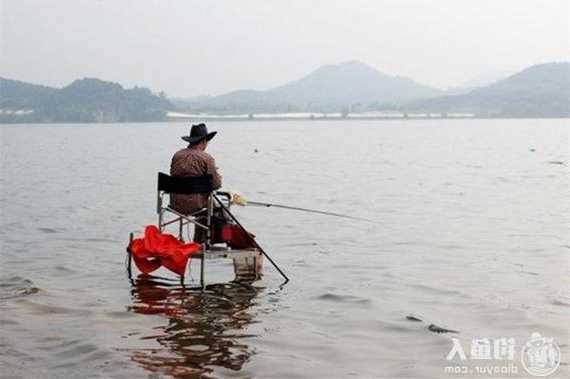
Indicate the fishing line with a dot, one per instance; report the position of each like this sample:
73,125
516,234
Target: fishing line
268,205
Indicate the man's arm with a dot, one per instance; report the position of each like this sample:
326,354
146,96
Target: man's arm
213,170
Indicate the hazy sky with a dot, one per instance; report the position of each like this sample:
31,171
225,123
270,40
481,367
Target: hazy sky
188,47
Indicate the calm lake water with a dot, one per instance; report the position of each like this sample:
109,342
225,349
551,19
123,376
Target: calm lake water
471,235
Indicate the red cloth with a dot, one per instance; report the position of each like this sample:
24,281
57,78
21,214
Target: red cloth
157,249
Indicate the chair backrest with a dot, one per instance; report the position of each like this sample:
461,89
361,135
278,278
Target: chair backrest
186,186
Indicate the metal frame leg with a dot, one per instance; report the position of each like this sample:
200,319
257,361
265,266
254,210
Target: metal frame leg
206,245
202,261
160,215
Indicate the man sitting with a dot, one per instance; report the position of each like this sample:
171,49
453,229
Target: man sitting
193,161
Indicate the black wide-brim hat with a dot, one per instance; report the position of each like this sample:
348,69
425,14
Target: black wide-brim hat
198,133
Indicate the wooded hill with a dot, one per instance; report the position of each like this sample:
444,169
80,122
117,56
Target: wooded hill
84,100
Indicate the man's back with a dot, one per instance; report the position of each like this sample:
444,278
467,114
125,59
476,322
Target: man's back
191,162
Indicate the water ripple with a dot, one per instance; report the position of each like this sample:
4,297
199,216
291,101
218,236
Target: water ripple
343,298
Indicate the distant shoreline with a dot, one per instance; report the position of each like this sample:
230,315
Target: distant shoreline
315,116
234,120
366,119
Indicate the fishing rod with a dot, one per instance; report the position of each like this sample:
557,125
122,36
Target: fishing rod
262,204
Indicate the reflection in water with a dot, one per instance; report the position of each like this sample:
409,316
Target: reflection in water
203,329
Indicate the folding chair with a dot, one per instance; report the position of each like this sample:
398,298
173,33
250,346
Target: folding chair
175,185
168,185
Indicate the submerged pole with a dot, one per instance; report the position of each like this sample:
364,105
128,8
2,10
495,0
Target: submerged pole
129,256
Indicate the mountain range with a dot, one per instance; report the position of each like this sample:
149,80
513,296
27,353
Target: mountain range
538,91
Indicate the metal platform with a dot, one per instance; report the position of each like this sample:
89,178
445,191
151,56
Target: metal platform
248,263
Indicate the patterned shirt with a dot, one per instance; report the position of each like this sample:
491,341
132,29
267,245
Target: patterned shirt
190,162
